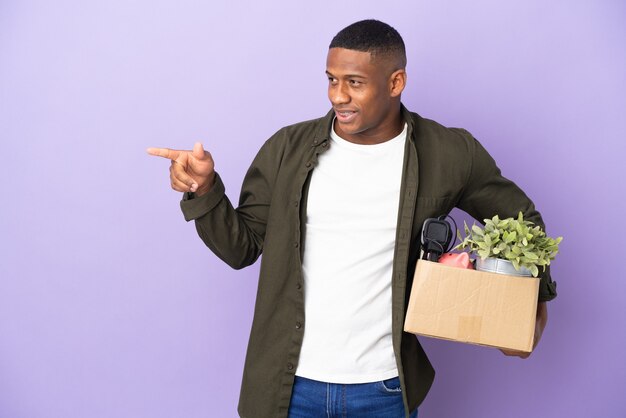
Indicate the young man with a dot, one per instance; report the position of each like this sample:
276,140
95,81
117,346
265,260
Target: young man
336,206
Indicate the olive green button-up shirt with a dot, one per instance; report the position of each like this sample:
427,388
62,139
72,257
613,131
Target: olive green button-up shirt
443,168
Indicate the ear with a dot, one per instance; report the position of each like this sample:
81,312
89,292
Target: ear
397,82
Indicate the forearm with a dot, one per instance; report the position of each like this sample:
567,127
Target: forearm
233,236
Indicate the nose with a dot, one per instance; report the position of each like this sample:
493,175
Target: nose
337,94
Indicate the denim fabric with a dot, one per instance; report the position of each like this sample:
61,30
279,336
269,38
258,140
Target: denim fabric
313,399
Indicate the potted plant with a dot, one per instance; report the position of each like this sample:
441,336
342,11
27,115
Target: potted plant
510,246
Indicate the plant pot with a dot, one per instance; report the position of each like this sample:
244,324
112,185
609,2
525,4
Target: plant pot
500,266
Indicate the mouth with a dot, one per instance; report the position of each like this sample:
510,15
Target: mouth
345,116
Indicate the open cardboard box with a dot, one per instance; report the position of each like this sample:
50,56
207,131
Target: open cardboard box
472,306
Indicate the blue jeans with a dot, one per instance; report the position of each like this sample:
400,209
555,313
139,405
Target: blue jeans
313,399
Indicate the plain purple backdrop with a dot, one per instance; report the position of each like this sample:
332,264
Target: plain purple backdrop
109,304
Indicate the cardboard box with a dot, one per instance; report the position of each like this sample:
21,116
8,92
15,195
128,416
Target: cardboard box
472,306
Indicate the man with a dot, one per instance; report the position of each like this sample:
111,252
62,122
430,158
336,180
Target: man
336,205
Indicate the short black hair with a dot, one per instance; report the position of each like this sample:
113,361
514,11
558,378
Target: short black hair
373,36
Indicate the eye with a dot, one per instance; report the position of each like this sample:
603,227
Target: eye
355,83
332,80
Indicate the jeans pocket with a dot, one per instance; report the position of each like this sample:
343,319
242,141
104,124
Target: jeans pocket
390,385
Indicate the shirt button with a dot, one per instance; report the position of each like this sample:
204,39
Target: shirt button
316,142
298,325
308,164
296,203
298,286
296,244
289,366
324,145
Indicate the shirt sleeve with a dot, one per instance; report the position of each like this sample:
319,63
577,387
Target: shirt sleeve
236,235
488,193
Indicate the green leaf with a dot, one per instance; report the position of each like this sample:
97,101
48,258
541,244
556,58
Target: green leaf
511,237
515,263
504,222
477,230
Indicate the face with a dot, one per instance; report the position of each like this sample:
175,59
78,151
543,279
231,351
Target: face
365,95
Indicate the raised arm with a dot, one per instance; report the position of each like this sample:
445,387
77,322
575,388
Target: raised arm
235,235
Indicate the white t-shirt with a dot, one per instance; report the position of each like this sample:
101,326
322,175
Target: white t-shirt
352,213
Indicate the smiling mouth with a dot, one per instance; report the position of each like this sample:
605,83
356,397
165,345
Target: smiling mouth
345,115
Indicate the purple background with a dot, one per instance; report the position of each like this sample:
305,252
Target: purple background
109,304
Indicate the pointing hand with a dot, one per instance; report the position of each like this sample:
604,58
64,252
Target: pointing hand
190,171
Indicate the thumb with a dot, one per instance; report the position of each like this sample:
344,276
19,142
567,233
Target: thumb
198,151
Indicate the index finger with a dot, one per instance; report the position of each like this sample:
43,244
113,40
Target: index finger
170,154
